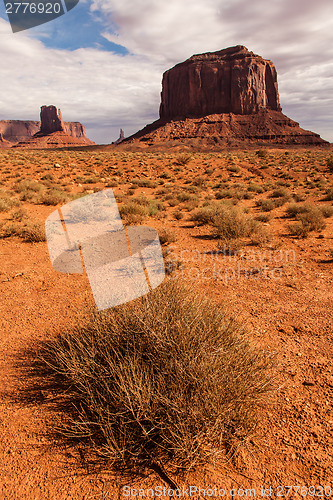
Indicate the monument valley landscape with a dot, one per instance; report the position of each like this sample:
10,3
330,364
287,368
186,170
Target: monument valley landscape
242,199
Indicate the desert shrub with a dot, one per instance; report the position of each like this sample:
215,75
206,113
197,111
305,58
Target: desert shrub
269,204
147,183
295,209
166,236
329,195
52,197
18,215
261,236
262,153
263,217
9,229
6,202
313,219
329,163
310,219
155,207
281,193
178,214
205,215
183,159
133,212
233,168
298,210
28,189
184,196
298,230
170,377
191,204
255,188
327,211
224,193
31,231
233,223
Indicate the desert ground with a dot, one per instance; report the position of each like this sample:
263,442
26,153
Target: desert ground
277,280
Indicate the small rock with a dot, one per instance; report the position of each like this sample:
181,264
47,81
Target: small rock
308,383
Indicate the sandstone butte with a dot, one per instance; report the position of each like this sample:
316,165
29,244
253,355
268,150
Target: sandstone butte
225,97
50,131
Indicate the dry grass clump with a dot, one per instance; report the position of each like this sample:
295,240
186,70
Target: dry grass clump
329,195
297,209
183,159
233,223
281,192
310,217
170,377
262,153
167,236
31,231
133,212
330,163
28,189
267,205
205,214
53,197
6,202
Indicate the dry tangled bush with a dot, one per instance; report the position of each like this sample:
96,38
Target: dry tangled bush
170,377
310,217
31,231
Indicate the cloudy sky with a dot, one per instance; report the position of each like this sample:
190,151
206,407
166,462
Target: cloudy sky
102,62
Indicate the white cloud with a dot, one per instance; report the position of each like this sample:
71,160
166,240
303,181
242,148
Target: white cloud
106,91
99,88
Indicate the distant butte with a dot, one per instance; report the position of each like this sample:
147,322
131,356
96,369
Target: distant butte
49,132
225,97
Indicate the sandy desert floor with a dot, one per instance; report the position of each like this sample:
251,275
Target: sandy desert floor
280,286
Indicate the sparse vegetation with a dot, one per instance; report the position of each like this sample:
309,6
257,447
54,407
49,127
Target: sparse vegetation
30,231
133,212
167,236
6,201
310,218
168,377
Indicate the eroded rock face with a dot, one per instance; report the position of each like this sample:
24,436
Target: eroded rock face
264,127
51,120
51,131
3,142
232,80
22,130
228,97
18,130
121,137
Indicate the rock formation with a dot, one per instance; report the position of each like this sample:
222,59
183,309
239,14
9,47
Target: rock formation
226,96
19,130
232,80
51,120
121,137
3,142
53,132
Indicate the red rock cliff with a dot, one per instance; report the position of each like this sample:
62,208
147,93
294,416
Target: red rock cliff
232,80
51,120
